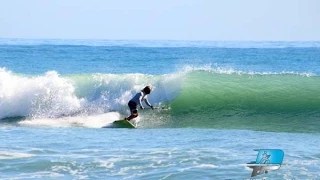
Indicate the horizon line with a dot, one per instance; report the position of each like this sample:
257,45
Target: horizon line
177,40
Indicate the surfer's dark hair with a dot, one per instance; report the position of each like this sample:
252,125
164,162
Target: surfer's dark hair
147,89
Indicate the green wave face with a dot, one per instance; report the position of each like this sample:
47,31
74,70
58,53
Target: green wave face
271,102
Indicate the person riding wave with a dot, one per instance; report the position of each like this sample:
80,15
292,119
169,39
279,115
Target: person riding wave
137,100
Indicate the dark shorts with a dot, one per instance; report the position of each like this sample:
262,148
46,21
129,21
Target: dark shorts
133,107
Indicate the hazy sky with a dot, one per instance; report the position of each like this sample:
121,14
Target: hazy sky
161,19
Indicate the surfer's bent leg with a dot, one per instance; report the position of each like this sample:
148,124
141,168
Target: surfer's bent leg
133,109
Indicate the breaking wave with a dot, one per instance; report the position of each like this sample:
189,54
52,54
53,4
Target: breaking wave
197,97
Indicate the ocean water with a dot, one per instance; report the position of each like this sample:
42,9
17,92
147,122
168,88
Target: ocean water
223,100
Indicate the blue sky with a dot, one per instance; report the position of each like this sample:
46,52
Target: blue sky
218,20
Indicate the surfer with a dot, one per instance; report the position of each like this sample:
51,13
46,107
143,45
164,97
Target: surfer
137,100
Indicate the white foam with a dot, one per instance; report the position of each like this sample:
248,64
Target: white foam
24,96
51,96
38,175
206,166
14,155
92,121
225,70
117,90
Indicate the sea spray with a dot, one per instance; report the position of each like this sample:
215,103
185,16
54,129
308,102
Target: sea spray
48,95
52,95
